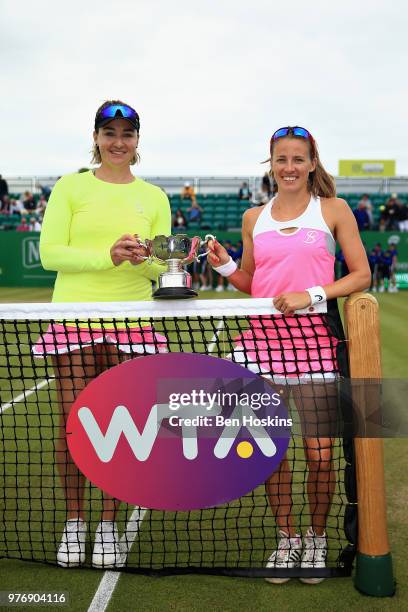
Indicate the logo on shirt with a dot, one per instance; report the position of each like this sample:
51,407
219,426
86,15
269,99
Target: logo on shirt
311,237
139,209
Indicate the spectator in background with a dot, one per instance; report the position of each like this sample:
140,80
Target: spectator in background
244,193
389,214
369,208
179,220
392,287
378,248
378,251
16,207
239,251
373,261
201,272
187,193
194,212
362,217
5,205
342,269
23,227
262,196
384,270
266,185
41,206
35,225
3,188
45,191
28,202
402,216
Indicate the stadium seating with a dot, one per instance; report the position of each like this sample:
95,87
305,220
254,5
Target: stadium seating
9,222
220,210
224,211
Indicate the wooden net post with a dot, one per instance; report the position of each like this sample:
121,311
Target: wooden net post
374,574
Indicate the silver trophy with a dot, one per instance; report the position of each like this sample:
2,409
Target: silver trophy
176,251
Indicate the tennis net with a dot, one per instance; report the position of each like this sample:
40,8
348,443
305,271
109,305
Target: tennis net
47,350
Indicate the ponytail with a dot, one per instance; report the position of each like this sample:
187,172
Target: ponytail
321,183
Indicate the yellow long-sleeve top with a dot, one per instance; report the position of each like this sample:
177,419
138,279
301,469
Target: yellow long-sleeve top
83,219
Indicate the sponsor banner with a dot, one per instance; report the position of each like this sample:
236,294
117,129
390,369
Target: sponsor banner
402,280
20,264
367,167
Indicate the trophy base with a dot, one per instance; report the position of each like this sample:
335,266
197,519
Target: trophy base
174,293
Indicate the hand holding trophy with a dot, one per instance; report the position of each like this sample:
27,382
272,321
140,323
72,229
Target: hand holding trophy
176,251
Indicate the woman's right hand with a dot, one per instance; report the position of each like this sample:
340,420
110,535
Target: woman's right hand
218,255
128,248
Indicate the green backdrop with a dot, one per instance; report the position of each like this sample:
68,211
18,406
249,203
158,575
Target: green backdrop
20,264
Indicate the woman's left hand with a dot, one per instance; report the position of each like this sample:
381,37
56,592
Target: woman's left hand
287,303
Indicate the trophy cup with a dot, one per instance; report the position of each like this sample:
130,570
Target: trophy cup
176,251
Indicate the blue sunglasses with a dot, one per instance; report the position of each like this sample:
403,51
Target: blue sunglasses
291,131
115,111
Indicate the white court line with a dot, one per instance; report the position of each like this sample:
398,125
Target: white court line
213,341
108,583
110,579
25,394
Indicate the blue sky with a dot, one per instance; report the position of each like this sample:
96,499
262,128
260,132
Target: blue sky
211,81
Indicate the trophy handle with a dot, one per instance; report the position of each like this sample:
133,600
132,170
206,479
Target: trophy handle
205,241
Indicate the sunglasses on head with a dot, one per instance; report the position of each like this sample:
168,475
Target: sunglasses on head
115,111
291,131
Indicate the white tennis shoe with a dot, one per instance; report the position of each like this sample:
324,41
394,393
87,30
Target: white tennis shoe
314,554
107,552
71,551
287,556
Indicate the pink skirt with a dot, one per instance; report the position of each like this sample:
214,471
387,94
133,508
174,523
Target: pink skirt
64,338
299,348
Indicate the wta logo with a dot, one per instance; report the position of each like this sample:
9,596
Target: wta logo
175,443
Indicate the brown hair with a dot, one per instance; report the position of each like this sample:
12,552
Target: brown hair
320,182
96,156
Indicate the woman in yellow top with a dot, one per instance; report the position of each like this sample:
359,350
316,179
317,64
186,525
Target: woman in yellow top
90,237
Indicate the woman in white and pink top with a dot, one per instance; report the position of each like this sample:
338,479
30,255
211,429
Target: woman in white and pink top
289,254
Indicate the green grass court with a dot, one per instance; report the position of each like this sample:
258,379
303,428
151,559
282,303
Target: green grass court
192,592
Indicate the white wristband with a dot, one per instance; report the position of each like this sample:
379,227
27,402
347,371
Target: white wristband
317,295
227,269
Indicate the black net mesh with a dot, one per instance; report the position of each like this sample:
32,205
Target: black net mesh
314,487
